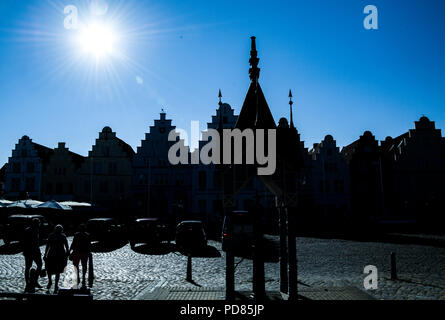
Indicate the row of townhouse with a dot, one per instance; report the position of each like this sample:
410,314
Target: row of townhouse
398,177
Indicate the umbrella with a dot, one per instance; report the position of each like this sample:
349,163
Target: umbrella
4,202
54,205
75,204
24,204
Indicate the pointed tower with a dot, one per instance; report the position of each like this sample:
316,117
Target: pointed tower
255,112
291,114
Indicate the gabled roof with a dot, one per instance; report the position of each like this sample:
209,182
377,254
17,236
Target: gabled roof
43,152
126,147
255,112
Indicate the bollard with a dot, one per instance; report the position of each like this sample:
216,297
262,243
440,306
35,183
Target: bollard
393,266
189,268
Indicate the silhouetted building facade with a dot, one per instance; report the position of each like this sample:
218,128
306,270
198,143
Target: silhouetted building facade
366,184
2,180
24,170
105,177
414,173
59,177
330,180
160,189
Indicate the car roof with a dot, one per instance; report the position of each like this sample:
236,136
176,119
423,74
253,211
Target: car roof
147,220
191,222
25,216
101,219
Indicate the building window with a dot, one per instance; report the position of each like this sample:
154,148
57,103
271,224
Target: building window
97,169
217,205
179,179
16,167
327,186
86,186
119,186
30,167
339,186
15,184
202,205
202,180
30,184
142,179
49,188
104,187
112,168
217,180
59,188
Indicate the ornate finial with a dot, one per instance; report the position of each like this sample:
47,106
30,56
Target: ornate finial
220,127
162,110
291,114
254,71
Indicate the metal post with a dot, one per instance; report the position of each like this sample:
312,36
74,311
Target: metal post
189,268
259,285
230,276
393,266
230,262
292,247
284,284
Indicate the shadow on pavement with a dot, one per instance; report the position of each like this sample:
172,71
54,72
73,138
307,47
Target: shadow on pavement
194,283
207,252
102,246
161,249
10,249
418,283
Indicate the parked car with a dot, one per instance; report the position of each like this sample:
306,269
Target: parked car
238,233
104,230
146,230
16,225
190,236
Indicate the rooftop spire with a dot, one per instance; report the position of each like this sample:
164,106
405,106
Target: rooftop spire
220,111
255,112
291,114
254,71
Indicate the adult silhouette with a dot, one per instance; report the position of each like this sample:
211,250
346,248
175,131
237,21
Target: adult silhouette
56,255
31,252
81,251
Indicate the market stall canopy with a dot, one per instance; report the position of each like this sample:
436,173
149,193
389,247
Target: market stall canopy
4,202
25,204
75,204
54,205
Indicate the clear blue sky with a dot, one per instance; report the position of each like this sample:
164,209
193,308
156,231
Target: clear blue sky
345,79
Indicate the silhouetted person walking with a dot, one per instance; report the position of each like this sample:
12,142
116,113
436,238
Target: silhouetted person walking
56,255
31,252
81,251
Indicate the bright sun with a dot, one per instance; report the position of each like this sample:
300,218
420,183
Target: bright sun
97,39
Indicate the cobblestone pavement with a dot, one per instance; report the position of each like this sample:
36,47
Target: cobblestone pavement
122,274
